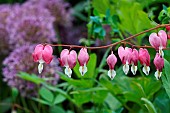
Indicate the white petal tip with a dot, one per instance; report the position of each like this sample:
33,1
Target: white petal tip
134,69
111,74
146,70
158,74
126,68
83,70
40,68
68,72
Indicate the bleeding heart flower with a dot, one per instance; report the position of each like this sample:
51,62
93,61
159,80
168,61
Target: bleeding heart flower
158,41
83,59
159,64
68,60
42,54
111,61
134,61
125,57
144,59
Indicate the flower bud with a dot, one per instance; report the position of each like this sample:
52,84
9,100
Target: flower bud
42,54
83,59
111,61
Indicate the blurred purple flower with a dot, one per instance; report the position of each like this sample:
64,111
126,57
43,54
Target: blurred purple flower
58,8
30,24
4,37
21,60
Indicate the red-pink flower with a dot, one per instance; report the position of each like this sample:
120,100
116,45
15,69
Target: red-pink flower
68,60
158,41
42,54
83,59
144,59
125,57
134,60
168,31
111,61
159,64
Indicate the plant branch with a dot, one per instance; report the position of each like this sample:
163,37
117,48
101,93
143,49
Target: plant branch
113,44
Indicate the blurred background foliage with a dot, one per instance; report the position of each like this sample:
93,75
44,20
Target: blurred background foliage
81,22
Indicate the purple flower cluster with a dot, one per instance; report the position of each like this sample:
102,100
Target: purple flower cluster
22,26
58,8
20,60
29,24
4,13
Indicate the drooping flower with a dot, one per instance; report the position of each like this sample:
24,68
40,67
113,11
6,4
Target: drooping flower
144,59
68,60
159,64
134,61
111,61
20,60
83,59
125,57
42,54
158,41
168,31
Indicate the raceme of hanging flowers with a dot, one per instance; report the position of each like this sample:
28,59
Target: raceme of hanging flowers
128,56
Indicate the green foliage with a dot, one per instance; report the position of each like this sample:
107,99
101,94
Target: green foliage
31,77
166,77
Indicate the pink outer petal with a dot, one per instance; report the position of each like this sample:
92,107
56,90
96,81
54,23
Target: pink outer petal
63,57
111,61
158,62
37,55
83,57
47,54
134,57
163,36
121,53
72,57
124,54
144,57
155,41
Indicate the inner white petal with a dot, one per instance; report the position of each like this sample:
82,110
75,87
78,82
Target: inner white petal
68,71
134,69
146,69
161,51
126,68
112,74
40,67
83,69
158,74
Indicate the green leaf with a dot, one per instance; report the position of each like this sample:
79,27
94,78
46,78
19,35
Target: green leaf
166,77
6,106
46,94
41,101
56,109
14,94
59,98
31,77
149,105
